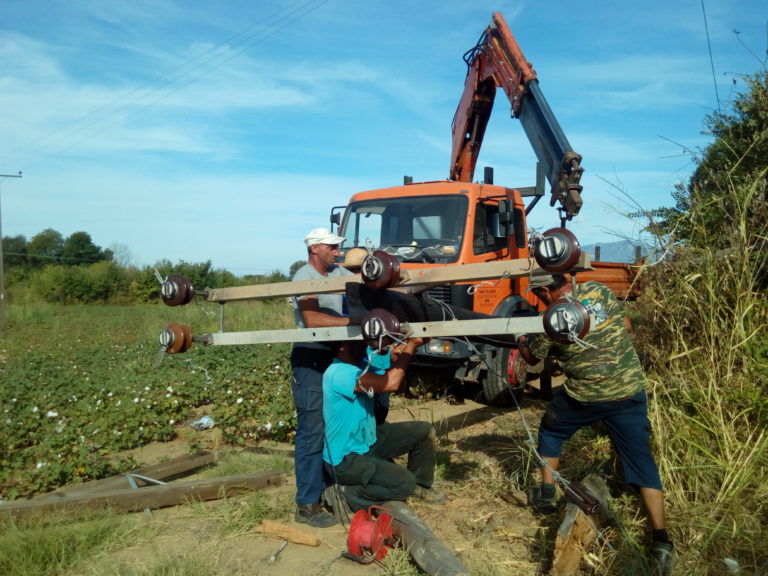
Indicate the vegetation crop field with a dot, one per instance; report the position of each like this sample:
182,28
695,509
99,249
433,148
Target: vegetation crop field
80,383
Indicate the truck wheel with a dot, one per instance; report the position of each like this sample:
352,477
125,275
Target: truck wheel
505,379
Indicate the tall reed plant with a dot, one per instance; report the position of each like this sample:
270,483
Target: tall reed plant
701,328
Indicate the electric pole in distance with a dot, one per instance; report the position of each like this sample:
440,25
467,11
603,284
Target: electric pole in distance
2,276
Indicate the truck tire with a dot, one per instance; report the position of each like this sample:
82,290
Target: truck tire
505,378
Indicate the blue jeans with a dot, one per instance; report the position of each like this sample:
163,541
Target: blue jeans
627,424
308,365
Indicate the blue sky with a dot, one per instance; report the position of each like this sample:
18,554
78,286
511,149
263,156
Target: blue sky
191,130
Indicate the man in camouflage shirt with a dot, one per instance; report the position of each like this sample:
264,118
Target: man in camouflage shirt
605,382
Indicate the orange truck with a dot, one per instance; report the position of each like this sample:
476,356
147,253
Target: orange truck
459,221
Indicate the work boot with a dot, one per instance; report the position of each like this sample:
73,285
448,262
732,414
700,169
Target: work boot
314,515
542,498
429,495
335,498
664,557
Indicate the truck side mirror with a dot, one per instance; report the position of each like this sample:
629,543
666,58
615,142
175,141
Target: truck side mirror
336,216
505,216
520,238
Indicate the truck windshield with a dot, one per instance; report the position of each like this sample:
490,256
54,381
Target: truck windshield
415,229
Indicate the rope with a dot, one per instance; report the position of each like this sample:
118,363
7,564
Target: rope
532,445
475,287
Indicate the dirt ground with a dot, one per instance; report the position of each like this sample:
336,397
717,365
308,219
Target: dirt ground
485,522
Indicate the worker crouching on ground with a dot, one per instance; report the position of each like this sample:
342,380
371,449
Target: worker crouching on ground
358,454
605,382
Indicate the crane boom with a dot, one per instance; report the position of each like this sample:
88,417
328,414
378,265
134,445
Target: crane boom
497,61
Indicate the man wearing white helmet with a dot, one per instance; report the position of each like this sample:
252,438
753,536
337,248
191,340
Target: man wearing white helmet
308,362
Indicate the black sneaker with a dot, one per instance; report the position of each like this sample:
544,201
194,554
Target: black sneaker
664,557
314,515
539,503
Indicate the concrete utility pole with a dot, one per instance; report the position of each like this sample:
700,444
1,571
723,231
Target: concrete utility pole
2,276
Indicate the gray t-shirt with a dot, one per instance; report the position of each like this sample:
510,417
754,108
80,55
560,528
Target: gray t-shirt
332,304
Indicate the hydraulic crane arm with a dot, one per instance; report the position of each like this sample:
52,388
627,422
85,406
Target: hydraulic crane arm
497,61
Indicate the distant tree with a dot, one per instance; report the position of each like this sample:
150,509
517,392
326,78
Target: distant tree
145,284
79,249
121,254
278,275
15,251
223,278
45,248
108,281
295,266
199,274
100,282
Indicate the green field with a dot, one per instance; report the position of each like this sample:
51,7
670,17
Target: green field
80,383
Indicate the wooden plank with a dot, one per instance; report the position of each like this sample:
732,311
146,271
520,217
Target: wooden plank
458,328
410,277
479,327
152,497
162,471
289,335
281,289
483,271
576,533
285,532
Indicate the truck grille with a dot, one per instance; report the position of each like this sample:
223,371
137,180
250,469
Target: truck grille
442,293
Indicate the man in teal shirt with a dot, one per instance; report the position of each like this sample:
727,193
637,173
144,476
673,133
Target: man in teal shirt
358,454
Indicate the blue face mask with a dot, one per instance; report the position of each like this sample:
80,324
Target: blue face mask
378,362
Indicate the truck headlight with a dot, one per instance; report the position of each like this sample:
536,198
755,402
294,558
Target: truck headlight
437,346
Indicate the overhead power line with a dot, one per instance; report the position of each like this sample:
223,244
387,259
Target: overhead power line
162,86
711,61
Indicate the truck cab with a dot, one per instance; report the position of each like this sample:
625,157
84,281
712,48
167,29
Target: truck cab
449,223
444,223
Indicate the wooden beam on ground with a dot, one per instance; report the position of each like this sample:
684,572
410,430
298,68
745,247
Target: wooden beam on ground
164,471
411,277
152,497
286,532
577,532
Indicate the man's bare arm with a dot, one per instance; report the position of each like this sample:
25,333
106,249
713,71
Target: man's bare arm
313,318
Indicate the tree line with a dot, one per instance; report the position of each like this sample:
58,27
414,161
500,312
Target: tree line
73,270
50,247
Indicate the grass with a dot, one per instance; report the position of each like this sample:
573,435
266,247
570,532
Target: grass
55,547
107,544
241,515
702,330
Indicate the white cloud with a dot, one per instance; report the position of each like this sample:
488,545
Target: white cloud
190,132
